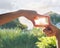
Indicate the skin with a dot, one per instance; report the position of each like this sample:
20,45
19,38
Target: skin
7,17
52,30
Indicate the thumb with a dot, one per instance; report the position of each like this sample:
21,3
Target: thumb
33,22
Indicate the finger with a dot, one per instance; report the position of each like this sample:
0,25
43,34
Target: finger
49,34
39,15
47,29
52,26
33,21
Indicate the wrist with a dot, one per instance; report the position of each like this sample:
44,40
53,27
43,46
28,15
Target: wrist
20,13
58,35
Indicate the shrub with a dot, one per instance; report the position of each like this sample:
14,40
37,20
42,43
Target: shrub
17,39
46,42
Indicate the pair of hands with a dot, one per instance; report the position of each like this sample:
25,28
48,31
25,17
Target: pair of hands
51,30
29,14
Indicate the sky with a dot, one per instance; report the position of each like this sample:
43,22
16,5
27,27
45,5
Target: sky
41,6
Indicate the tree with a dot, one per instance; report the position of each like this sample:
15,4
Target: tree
14,24
55,18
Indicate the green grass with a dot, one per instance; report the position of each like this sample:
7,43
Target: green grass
12,38
16,38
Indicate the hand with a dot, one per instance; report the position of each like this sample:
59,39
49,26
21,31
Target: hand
51,30
29,14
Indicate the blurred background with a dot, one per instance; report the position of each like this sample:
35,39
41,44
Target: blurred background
20,32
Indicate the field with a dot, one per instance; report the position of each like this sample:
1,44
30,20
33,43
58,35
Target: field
17,38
